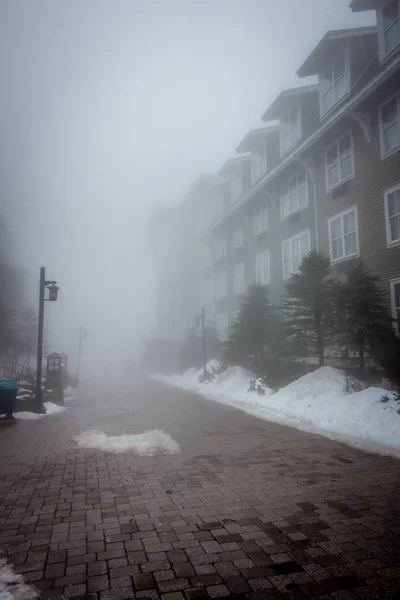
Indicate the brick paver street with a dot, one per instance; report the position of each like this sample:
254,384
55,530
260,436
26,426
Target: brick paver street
248,509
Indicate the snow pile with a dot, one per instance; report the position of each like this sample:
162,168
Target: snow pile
144,444
50,408
14,584
316,402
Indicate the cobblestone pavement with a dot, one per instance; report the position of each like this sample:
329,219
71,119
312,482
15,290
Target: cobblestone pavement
249,509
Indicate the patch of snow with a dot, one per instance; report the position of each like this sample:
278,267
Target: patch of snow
50,408
316,403
144,444
53,409
13,583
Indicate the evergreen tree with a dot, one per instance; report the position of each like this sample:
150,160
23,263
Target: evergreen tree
362,308
308,304
254,333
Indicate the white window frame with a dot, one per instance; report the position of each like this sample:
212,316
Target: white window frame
263,265
385,154
340,216
220,249
238,237
259,163
383,54
290,242
324,81
239,276
221,281
287,196
288,129
393,283
236,185
390,243
351,153
260,219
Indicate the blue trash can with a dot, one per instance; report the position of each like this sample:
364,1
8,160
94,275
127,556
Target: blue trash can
8,396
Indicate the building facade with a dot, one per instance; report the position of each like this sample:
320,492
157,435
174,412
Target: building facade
323,172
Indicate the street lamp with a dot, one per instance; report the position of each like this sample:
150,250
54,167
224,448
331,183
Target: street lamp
53,291
200,320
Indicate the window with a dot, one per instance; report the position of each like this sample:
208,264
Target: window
236,185
294,194
392,212
238,237
263,275
339,161
389,27
290,130
222,325
221,285
343,235
258,163
389,121
293,251
239,283
335,83
260,220
219,249
395,299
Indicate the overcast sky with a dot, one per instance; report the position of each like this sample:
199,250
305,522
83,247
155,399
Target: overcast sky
110,106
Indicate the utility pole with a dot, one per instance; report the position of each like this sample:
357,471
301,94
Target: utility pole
53,290
203,328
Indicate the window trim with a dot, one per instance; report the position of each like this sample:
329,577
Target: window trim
308,231
217,276
268,254
387,226
235,292
383,55
260,209
336,143
381,139
241,229
392,283
265,159
287,182
347,74
282,122
335,261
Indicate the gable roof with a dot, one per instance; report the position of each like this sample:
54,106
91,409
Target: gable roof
253,135
329,43
233,162
273,111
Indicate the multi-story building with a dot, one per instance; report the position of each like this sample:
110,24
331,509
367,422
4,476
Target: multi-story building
324,173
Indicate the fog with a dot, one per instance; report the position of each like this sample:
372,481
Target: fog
109,107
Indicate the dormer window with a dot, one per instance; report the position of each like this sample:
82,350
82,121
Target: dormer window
334,83
389,22
290,129
258,163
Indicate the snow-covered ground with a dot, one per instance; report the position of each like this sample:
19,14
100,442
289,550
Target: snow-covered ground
13,584
144,444
50,408
316,402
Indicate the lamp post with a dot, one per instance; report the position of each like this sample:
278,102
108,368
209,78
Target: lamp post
201,319
53,291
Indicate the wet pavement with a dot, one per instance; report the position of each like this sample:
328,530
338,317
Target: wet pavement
247,509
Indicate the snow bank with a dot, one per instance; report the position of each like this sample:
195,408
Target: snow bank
14,584
316,402
50,408
144,444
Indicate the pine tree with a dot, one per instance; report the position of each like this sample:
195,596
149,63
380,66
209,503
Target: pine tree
362,308
308,304
254,333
